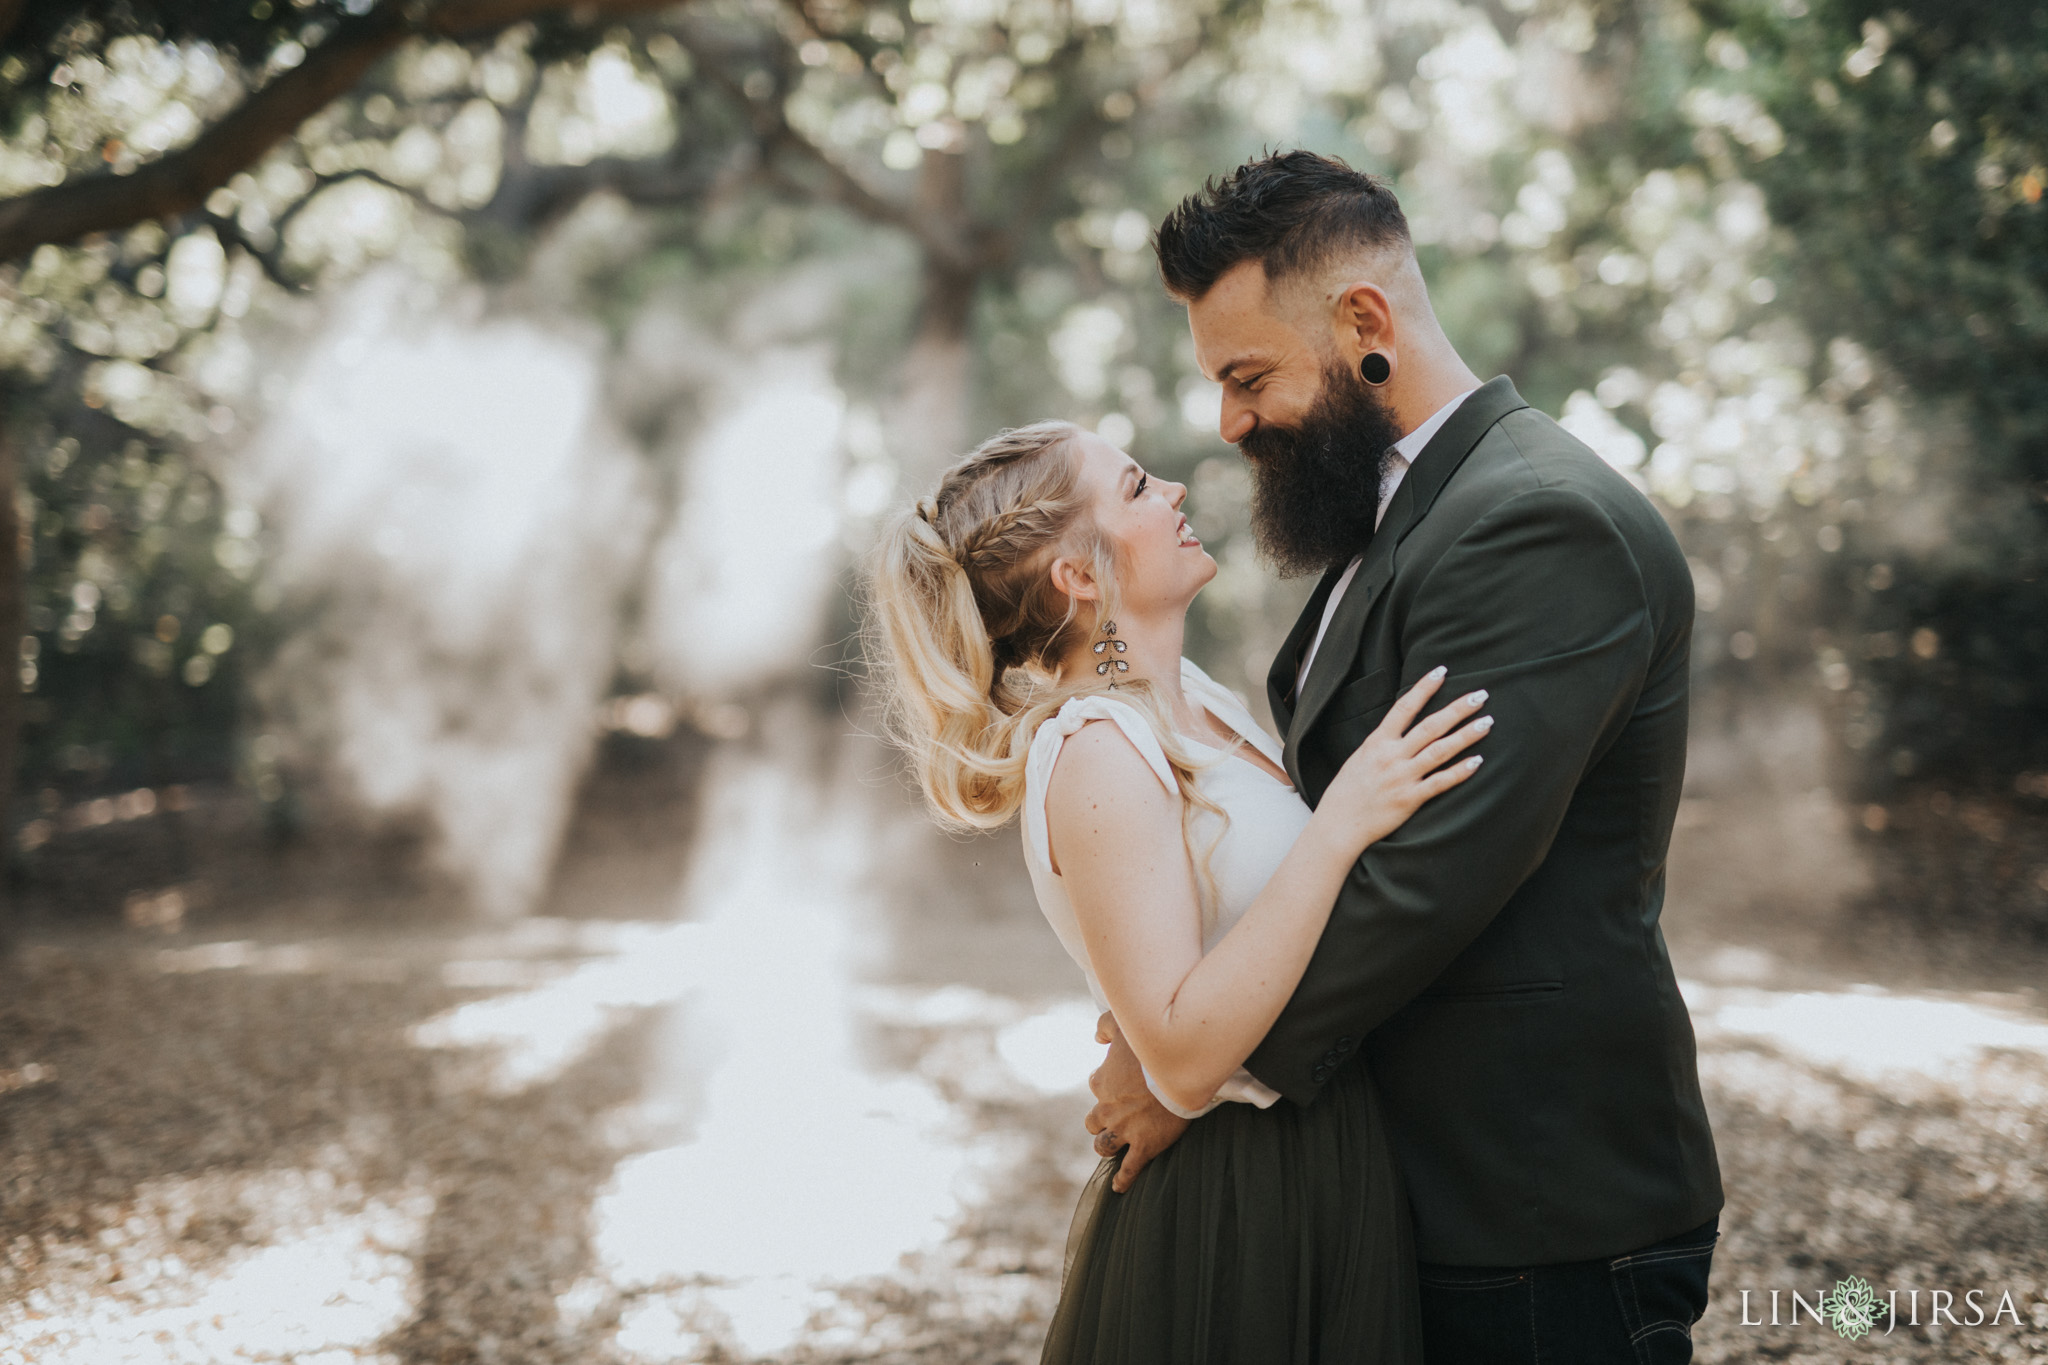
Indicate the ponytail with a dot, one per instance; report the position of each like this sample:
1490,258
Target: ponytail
968,629
965,700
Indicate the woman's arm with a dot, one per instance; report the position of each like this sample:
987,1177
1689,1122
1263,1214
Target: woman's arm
1194,1018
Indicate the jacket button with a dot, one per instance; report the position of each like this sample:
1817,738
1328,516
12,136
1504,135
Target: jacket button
1347,1042
1321,1073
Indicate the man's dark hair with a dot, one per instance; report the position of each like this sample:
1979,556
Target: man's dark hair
1288,211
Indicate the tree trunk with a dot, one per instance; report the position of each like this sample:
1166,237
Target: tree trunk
12,580
932,408
937,376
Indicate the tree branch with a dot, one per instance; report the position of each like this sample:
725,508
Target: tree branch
842,187
180,181
529,196
541,194
10,15
323,182
230,231
774,133
1000,242
469,19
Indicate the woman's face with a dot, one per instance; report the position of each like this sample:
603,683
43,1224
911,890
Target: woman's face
1161,565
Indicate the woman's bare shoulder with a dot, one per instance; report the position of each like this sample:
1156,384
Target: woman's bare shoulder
1099,760
1103,788
1101,772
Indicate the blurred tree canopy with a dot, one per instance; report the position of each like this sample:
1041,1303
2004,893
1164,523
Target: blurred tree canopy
183,174
1909,195
1779,260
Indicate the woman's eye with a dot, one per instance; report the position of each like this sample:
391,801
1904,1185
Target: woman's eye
1143,481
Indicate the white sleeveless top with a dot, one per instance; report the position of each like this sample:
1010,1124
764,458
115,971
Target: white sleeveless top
1266,816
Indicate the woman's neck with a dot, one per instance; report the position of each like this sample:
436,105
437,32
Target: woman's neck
1151,646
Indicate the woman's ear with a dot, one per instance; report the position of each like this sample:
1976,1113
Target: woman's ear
1074,578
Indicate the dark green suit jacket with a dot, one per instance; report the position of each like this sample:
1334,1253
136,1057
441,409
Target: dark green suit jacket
1498,959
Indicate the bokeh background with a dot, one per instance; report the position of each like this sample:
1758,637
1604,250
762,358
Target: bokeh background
456,906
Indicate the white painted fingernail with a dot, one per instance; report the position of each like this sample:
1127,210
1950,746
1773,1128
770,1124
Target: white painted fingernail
1483,723
1436,674
1477,698
1475,760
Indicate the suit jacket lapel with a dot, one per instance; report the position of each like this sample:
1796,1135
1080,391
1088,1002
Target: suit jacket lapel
1340,641
1426,477
1287,663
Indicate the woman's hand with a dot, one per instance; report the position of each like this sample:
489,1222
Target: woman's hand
1398,768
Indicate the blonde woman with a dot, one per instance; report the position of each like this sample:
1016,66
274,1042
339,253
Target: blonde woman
1029,620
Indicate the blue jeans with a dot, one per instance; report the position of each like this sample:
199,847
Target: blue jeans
1636,1309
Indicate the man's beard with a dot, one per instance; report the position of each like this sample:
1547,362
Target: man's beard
1316,485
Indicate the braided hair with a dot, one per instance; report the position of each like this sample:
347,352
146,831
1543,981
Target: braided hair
969,630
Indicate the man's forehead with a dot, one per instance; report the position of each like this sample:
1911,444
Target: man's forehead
1234,324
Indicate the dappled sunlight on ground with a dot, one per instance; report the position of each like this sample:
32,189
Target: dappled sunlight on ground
803,1168
336,1276
1887,1135
534,1035
774,1129
777,1163
1914,1046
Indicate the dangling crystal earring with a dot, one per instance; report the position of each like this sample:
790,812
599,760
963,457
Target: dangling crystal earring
1104,646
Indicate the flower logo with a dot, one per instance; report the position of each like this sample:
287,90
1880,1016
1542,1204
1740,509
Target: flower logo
1851,1307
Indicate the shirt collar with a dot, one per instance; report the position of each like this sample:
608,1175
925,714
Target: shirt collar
1409,446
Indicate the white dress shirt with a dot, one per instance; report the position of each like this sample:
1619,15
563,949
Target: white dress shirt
1404,452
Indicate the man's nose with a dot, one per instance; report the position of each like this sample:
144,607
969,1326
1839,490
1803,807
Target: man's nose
1237,420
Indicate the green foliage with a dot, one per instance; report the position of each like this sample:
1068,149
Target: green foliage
1708,234
1909,191
138,609
971,145
1969,703
49,34
138,612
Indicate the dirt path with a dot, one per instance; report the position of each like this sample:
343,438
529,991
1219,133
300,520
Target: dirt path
1879,1095
849,1058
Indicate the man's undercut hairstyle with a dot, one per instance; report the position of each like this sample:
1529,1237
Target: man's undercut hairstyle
1289,211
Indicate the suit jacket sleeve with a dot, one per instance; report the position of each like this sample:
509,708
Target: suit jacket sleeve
1541,602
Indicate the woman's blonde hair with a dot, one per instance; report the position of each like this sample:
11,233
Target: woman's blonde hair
969,630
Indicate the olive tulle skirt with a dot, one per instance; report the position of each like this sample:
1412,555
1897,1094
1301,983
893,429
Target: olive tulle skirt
1263,1237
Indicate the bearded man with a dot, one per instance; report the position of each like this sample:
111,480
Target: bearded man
1497,963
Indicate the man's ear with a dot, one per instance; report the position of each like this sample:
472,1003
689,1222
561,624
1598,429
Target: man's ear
1364,319
1074,578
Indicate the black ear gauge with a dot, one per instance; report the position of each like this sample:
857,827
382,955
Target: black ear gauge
1375,369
